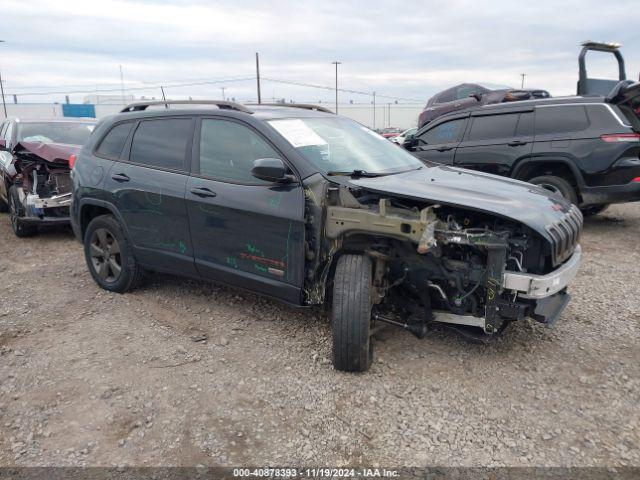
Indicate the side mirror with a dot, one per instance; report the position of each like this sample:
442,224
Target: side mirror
271,170
477,96
410,142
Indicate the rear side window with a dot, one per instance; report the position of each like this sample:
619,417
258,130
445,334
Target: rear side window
228,150
493,126
112,144
447,132
563,119
161,143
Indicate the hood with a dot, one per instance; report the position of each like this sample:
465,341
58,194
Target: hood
50,152
483,192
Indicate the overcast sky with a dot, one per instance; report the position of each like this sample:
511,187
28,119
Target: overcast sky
403,49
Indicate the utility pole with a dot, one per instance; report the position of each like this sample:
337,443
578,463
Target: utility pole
336,63
124,100
4,105
374,110
389,112
522,83
166,105
223,89
258,77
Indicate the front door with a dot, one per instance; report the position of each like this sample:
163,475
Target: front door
245,231
148,188
438,143
495,143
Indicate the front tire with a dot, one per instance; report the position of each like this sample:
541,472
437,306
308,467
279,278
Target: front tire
17,213
351,314
109,255
558,186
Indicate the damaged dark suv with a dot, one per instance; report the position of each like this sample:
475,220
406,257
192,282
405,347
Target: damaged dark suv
34,166
312,208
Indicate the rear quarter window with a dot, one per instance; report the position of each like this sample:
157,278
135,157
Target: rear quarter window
113,142
564,119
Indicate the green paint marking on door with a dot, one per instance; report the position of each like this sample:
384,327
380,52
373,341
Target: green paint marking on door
232,261
182,247
254,250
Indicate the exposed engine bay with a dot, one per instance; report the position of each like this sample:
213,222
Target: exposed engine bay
435,262
41,173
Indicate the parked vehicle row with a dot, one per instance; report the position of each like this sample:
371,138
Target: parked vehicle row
584,148
311,208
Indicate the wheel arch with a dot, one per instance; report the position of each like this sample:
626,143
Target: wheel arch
91,208
528,168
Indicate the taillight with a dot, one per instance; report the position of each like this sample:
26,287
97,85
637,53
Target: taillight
72,161
636,180
621,137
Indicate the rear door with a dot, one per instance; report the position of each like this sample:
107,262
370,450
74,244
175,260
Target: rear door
495,142
438,142
245,231
148,188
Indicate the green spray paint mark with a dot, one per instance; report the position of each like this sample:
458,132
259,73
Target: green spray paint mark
232,261
276,200
260,268
182,247
254,250
285,259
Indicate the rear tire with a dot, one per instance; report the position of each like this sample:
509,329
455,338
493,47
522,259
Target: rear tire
556,185
351,314
592,210
109,255
16,212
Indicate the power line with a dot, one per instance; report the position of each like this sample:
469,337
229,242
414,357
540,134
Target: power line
90,90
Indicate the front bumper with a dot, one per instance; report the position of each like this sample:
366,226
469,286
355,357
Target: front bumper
533,286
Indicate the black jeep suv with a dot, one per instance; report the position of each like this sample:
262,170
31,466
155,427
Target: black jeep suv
311,208
586,149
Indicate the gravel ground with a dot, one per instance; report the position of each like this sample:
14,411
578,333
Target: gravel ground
182,372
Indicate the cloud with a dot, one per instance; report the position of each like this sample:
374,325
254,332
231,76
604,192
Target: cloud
408,50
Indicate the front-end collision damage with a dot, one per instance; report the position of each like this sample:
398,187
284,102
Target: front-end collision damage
41,175
431,262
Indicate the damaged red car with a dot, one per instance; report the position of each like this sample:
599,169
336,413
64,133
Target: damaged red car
34,164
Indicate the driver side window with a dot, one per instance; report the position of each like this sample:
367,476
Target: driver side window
447,132
228,150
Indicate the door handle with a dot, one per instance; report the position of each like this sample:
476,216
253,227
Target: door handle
444,149
203,192
120,177
517,143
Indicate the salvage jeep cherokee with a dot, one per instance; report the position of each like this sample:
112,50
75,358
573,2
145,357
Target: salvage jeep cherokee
311,208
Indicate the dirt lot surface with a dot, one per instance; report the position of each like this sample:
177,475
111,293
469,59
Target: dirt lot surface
93,378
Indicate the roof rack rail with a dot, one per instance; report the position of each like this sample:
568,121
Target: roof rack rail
221,104
306,106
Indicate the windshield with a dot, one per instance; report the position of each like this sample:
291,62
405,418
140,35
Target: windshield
342,145
55,132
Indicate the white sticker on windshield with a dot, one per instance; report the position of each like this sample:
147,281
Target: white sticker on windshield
297,133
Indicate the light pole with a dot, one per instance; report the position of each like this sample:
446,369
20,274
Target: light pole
336,63
522,83
223,89
4,105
